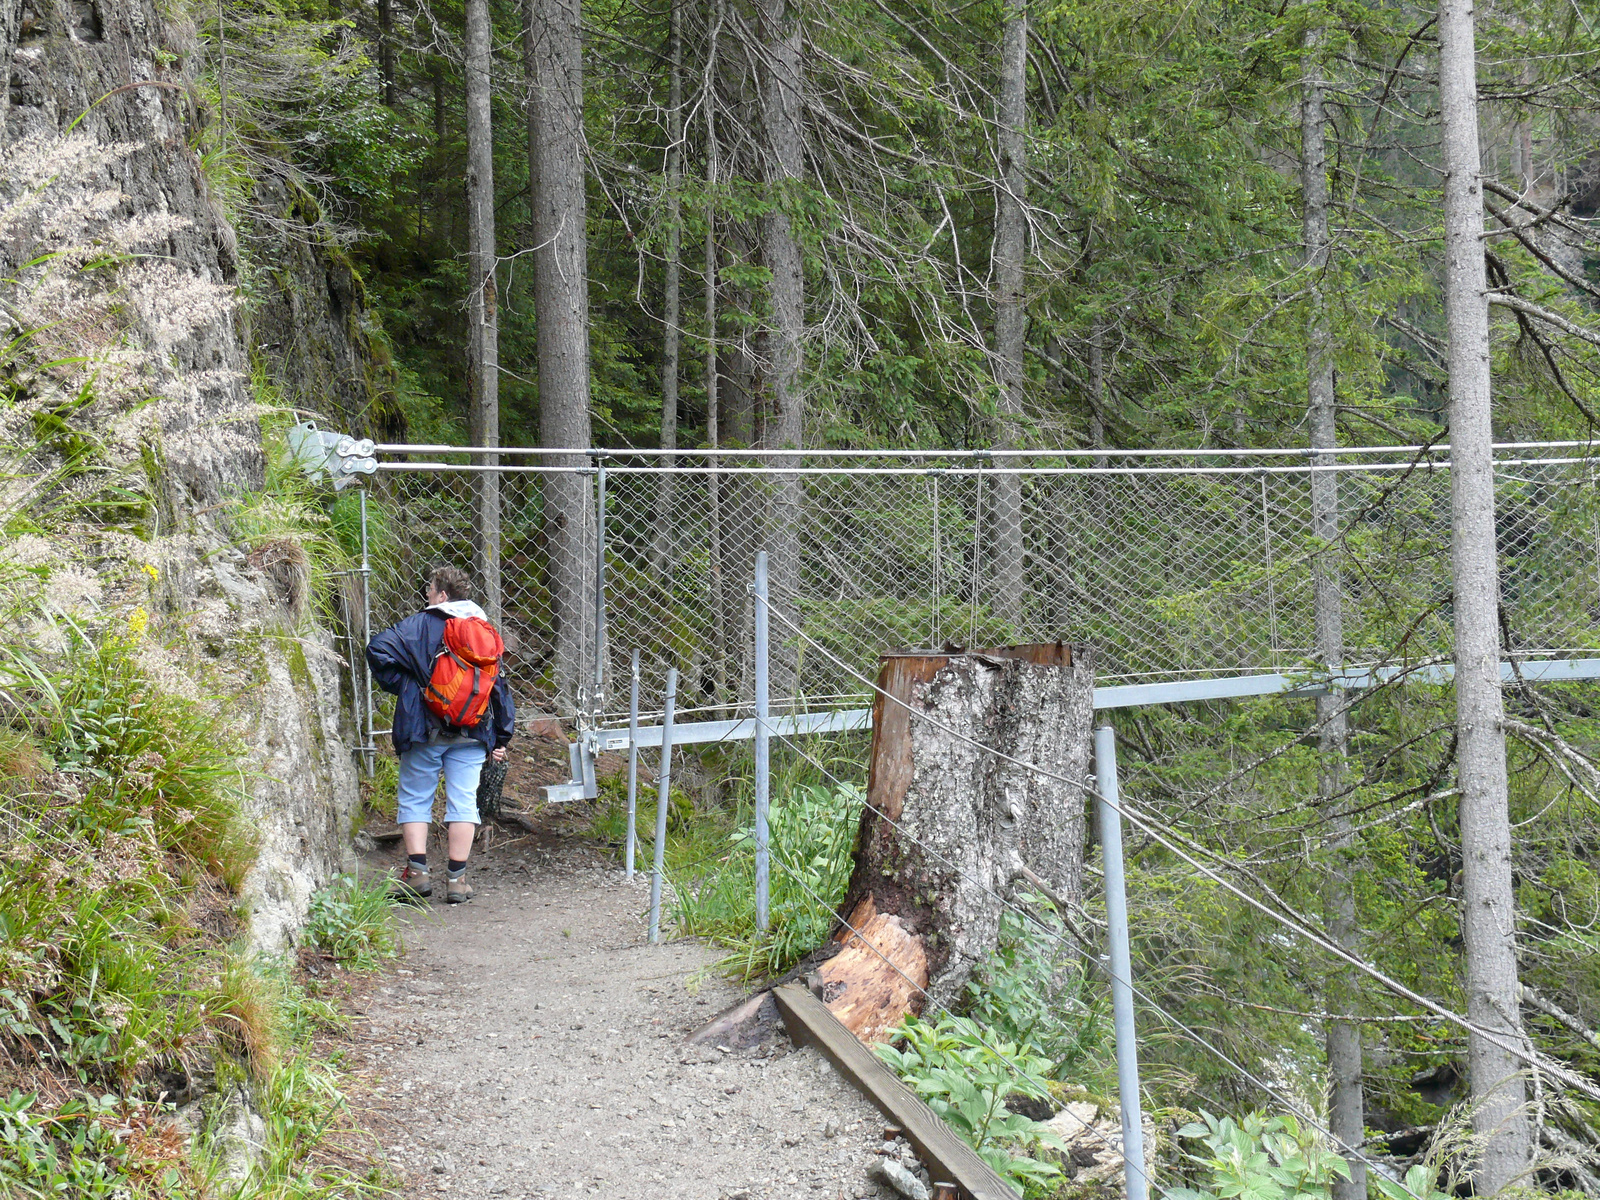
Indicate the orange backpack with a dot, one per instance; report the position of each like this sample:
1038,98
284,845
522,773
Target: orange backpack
464,671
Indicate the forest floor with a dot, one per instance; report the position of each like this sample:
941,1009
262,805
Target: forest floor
531,1043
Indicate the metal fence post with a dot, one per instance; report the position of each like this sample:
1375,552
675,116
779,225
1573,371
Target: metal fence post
1272,587
663,796
368,739
1106,805
600,589
763,749
633,763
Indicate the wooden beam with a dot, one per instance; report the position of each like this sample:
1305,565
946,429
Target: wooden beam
945,1155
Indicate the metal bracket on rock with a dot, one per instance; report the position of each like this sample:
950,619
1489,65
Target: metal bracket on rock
339,458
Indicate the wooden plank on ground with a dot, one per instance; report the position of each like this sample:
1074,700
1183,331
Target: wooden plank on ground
946,1156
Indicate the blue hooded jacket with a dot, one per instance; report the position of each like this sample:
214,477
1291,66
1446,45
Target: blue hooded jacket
401,658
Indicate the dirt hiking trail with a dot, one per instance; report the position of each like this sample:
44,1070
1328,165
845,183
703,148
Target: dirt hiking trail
530,1044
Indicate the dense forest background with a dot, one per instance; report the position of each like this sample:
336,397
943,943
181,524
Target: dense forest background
1014,224
1164,284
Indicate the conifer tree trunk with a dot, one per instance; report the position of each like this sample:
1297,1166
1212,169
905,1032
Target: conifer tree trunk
1488,909
554,54
1346,1118
672,301
719,611
781,98
719,608
483,355
1010,315
386,51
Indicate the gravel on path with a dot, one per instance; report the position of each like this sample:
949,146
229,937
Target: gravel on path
531,1044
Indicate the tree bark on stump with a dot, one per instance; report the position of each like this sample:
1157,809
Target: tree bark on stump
949,827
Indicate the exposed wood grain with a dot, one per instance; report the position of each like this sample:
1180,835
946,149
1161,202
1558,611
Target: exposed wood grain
877,977
891,727
946,1156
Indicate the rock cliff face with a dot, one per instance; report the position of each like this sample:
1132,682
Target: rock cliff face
309,326
100,119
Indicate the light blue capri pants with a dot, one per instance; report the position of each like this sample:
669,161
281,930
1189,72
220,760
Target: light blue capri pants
420,768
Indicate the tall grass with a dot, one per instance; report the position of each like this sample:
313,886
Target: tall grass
710,856
811,833
289,529
117,800
147,759
109,791
312,1149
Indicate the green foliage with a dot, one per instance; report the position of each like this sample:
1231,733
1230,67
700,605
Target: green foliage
144,755
1260,1158
293,530
305,1108
1168,304
354,922
1032,992
120,797
93,1148
344,519
710,855
103,977
966,1074
1419,1183
1032,1021
310,1140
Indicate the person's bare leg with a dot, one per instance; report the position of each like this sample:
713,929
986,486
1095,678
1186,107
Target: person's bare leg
415,835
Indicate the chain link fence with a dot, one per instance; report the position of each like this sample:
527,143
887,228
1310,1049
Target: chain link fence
1170,567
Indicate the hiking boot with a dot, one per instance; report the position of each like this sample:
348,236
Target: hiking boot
413,885
458,891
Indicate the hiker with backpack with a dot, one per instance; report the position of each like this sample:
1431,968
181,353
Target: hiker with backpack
453,712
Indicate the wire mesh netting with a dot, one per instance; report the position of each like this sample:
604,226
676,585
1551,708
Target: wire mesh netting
1170,569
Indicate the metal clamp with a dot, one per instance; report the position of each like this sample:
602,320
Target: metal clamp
335,457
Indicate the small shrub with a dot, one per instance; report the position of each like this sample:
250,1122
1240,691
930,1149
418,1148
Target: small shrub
966,1076
1260,1158
353,922
1032,991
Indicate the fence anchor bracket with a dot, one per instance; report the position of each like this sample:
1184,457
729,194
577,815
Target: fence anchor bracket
580,762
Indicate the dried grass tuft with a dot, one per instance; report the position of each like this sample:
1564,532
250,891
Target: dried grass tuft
287,566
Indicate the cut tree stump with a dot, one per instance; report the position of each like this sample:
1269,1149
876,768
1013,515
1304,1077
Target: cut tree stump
959,827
